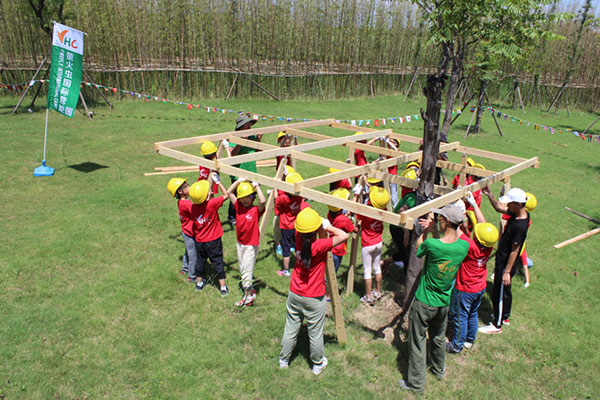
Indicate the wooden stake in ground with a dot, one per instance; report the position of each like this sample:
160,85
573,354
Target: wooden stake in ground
336,303
271,202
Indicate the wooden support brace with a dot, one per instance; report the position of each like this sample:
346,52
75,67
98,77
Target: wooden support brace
336,303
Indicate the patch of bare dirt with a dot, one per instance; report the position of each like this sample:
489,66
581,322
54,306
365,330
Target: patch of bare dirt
378,317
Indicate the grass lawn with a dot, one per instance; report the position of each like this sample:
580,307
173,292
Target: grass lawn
92,304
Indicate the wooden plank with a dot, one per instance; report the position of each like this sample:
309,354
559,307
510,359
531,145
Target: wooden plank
355,171
409,183
255,131
352,267
577,238
255,177
459,193
336,303
177,168
192,159
491,155
397,136
325,198
264,222
283,151
464,169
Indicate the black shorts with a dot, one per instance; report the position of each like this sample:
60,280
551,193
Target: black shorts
288,240
212,250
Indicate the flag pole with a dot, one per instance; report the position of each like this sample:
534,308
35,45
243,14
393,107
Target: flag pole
43,170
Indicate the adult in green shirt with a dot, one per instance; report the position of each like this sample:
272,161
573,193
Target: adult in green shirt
429,311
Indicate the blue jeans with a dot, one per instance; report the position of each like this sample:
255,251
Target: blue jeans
337,261
465,321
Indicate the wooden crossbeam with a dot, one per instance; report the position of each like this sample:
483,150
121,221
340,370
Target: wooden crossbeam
492,155
397,136
577,238
283,151
249,132
408,217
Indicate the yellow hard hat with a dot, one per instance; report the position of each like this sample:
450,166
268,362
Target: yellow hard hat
289,169
413,164
342,194
531,203
487,234
199,191
174,185
208,148
478,165
308,220
294,177
244,189
333,170
280,135
358,133
470,161
379,197
409,173
472,217
373,181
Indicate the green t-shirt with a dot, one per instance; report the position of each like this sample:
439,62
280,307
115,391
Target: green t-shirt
250,165
410,199
441,264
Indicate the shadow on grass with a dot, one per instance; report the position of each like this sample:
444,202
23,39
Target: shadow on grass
87,167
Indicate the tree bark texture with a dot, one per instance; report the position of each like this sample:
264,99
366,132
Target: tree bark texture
479,110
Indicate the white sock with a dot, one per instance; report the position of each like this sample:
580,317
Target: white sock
223,287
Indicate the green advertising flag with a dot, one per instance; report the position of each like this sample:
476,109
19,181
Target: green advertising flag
66,69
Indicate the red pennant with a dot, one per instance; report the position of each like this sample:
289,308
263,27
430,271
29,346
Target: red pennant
190,106
114,90
376,122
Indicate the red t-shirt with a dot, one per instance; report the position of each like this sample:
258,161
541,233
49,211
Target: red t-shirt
371,232
359,157
246,224
476,195
393,169
342,222
279,158
185,216
288,207
207,225
204,174
310,282
472,274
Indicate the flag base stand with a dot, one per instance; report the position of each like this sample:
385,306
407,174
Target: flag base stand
43,170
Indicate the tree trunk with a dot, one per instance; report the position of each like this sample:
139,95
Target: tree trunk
479,109
431,146
452,90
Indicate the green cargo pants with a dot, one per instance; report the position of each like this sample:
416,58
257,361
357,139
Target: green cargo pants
298,308
425,318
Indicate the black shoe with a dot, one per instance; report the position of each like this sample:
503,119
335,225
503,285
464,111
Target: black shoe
200,285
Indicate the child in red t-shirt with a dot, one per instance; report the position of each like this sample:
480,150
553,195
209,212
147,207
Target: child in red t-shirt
179,188
208,231
288,206
209,151
471,280
343,184
370,238
340,221
306,299
247,231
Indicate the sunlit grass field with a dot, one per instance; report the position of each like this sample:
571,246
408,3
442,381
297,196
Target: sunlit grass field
92,304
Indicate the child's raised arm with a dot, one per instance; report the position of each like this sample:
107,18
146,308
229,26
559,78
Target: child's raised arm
261,196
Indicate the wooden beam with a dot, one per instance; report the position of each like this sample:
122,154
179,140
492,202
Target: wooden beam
255,131
459,193
283,151
372,212
491,155
270,203
409,183
325,162
336,303
582,215
464,169
352,265
397,136
577,238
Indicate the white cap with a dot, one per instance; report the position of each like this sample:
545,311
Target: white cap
461,205
515,195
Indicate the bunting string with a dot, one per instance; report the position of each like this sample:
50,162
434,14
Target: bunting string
375,122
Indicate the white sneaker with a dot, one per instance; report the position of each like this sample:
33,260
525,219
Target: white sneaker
318,368
467,345
283,364
491,328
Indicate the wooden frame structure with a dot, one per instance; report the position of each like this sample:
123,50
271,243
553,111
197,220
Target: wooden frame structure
377,169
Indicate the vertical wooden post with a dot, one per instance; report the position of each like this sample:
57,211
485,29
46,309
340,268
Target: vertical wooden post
336,304
271,202
505,188
352,267
462,177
